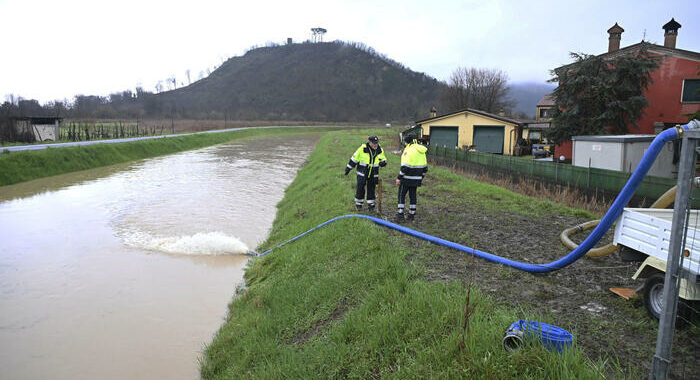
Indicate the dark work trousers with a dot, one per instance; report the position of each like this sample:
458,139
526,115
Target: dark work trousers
412,196
360,192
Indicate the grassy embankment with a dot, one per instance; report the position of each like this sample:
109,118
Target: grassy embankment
351,300
27,165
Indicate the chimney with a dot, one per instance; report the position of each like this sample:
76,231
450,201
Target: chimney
433,112
615,36
289,40
670,33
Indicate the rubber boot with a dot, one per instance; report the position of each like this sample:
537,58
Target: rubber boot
358,207
398,217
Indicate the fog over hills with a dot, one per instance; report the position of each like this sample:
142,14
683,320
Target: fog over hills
527,94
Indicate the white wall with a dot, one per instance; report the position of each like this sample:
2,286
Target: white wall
45,132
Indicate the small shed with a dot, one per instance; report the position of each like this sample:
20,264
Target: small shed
623,153
38,128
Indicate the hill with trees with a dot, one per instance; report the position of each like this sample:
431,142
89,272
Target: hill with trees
332,81
321,82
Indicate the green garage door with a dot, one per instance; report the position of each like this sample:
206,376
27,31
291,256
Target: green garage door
443,136
489,139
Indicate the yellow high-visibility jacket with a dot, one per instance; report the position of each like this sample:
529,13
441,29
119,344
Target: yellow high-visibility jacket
368,161
414,165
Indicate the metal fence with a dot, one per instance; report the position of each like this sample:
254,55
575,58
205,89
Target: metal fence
575,176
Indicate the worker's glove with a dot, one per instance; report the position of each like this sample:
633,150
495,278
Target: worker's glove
382,163
347,170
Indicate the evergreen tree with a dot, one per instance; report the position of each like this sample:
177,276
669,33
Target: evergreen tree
600,96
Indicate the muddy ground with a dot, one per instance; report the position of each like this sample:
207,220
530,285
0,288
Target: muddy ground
606,326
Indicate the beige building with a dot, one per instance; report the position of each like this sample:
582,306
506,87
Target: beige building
472,129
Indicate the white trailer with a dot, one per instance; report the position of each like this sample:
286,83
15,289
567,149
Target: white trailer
648,231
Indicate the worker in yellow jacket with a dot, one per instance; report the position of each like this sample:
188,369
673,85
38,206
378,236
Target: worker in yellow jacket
368,158
414,165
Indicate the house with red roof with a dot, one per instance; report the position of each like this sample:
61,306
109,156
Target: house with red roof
675,89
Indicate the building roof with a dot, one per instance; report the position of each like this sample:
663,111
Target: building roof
538,125
410,128
546,101
688,54
615,138
474,111
38,119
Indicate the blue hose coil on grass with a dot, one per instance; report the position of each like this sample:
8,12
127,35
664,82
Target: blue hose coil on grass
613,213
552,337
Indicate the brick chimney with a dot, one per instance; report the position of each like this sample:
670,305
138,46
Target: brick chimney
615,36
670,33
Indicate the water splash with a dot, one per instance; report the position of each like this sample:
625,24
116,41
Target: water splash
201,243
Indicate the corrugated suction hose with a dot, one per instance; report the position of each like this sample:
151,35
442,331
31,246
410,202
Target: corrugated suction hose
664,201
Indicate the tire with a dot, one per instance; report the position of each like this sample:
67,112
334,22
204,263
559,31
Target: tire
654,294
654,300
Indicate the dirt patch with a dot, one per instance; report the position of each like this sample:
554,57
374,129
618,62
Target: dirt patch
607,327
317,327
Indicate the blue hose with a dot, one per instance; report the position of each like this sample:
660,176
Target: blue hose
552,337
613,213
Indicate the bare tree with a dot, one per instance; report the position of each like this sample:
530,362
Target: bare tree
159,86
187,74
482,89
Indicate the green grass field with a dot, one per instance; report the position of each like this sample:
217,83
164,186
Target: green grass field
27,165
350,301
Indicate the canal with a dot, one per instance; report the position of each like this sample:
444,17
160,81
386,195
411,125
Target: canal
126,271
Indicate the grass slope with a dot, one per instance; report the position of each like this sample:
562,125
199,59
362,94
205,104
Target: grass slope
28,165
349,301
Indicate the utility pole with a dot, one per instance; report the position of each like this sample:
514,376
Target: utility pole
661,362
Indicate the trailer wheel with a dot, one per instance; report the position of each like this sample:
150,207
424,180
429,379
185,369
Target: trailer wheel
654,300
654,294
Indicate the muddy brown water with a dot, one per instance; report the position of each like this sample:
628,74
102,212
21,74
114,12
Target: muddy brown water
125,272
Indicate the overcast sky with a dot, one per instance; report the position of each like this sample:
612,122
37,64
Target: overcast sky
55,49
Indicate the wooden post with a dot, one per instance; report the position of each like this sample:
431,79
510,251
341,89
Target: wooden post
379,196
